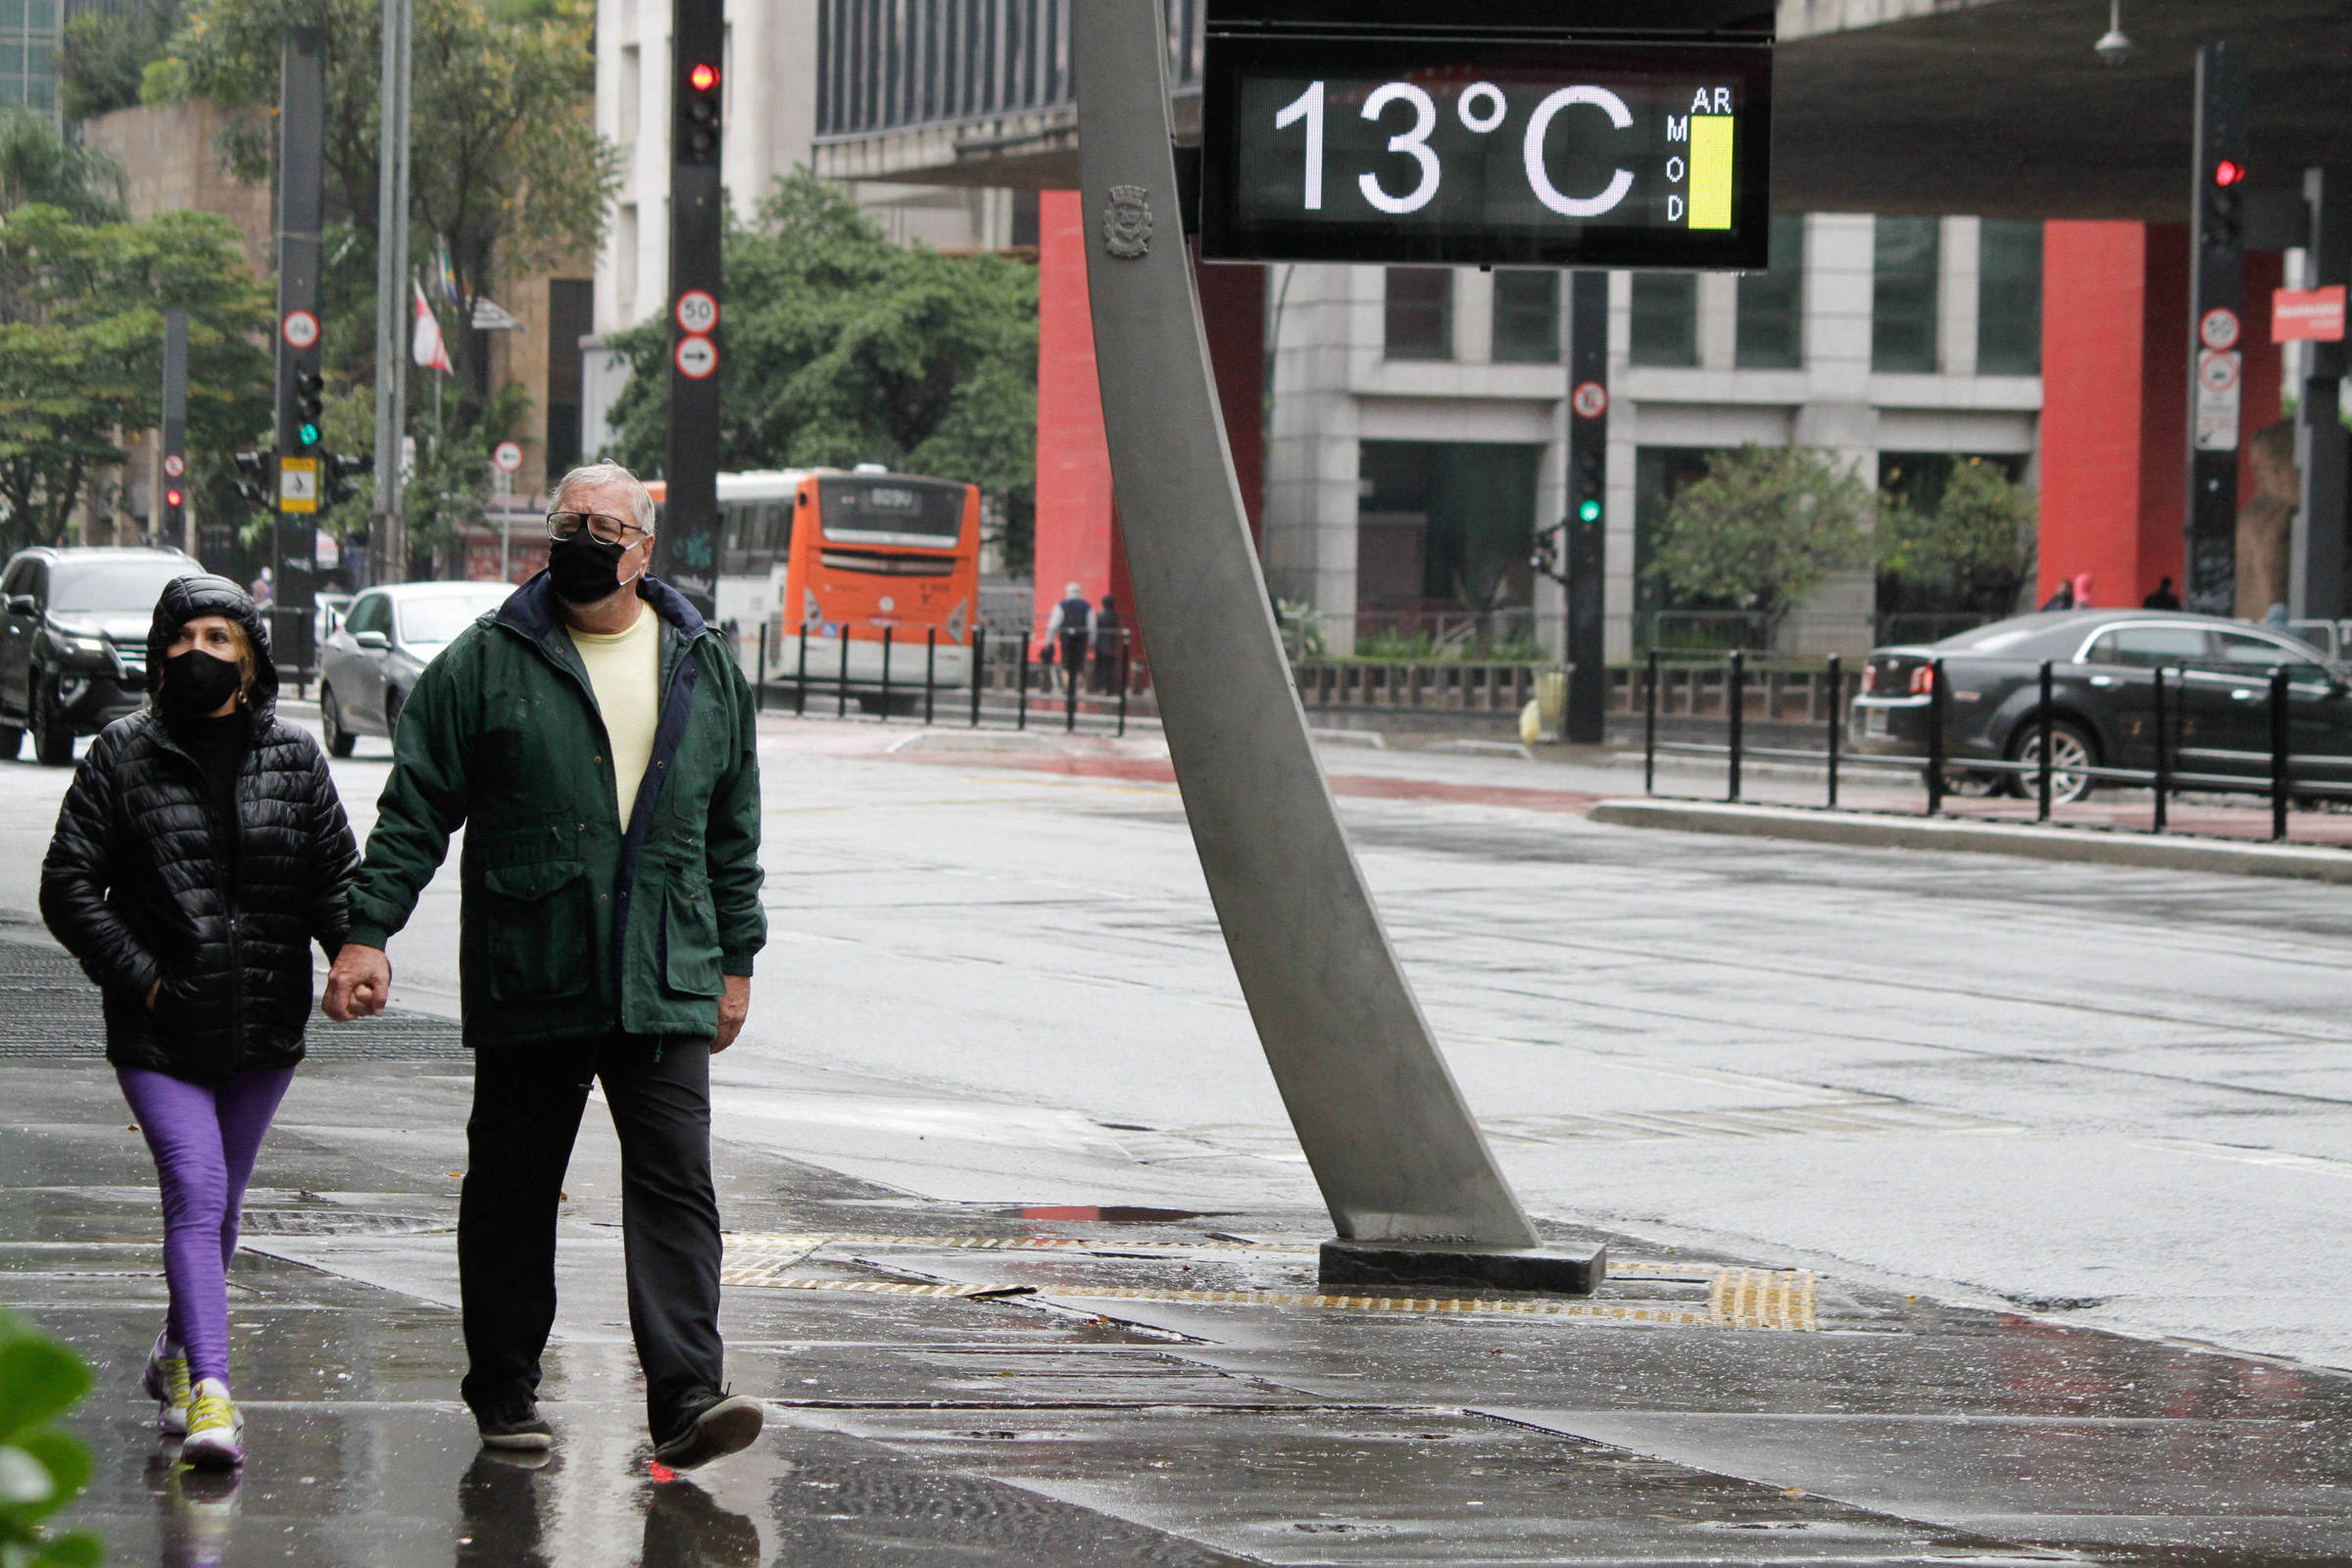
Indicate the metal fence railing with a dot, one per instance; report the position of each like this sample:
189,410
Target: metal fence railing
1003,681
2286,779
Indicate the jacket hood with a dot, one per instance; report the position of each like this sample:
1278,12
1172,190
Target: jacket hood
184,599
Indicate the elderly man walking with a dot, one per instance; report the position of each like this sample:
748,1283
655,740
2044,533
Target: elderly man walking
595,738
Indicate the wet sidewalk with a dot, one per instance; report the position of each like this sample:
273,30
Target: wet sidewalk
983,1384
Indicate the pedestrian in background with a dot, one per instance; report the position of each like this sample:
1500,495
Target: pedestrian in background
2163,598
1109,632
1068,630
594,737
201,850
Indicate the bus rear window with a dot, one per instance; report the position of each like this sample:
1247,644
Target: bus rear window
891,512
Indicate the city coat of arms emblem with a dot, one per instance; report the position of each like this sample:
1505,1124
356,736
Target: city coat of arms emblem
1127,222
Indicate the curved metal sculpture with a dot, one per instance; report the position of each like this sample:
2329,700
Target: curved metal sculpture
1386,1130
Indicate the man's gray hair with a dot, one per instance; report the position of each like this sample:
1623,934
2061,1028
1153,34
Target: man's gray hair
590,476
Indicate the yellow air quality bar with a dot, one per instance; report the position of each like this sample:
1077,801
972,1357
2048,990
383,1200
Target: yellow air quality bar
1710,171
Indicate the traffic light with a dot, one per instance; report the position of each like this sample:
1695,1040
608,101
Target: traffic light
2222,209
310,409
340,471
252,477
697,114
1591,480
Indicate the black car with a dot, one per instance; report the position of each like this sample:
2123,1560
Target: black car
2102,699
73,654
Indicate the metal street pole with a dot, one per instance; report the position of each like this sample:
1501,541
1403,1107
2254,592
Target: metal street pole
690,524
1412,1188
1587,536
387,533
2216,307
301,196
2317,585
170,509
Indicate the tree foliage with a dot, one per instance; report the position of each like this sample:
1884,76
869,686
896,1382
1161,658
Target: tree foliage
1762,528
38,163
43,1467
103,56
82,329
1973,545
846,347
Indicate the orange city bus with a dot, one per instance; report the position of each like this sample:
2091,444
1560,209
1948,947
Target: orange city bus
847,554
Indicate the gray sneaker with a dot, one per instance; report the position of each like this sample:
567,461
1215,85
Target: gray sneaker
514,1424
724,1426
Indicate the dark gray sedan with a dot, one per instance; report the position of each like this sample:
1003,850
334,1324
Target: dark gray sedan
2102,699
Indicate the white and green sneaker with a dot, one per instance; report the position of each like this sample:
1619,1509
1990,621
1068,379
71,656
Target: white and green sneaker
215,1438
166,1382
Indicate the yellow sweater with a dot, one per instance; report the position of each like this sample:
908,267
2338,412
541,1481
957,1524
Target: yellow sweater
624,670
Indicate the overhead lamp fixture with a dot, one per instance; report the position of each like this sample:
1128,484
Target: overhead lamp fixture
2115,45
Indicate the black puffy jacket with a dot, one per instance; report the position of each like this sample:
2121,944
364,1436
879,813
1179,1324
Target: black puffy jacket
136,887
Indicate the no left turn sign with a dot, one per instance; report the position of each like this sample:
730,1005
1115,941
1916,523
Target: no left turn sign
300,329
695,357
1590,400
698,311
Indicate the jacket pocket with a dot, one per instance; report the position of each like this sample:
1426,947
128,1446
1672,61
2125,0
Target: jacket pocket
690,938
539,932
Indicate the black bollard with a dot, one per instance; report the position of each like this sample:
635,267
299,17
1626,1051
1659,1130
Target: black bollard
2043,723
800,677
1836,719
2279,758
979,664
930,668
886,631
1736,705
2164,760
1934,737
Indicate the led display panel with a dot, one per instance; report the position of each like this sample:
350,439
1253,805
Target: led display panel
1416,146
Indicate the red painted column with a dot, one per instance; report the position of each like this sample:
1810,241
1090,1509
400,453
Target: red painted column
1076,525
2115,401
1077,516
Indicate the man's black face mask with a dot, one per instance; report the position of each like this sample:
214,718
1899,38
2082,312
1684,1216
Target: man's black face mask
195,682
585,568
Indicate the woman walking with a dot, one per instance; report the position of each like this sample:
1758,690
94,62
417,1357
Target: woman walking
200,850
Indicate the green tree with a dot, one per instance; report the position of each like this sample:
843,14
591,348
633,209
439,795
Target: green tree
41,1467
1761,529
81,326
38,163
845,348
1973,547
103,56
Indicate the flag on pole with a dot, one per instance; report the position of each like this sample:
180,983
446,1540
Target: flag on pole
427,349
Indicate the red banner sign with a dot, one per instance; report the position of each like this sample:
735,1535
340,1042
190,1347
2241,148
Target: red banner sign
2313,313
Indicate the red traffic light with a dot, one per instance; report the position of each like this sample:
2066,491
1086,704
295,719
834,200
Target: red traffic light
173,498
703,77
2229,171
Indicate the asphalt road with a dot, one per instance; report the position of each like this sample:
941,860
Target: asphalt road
2114,1097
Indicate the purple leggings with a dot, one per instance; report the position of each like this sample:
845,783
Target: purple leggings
204,1138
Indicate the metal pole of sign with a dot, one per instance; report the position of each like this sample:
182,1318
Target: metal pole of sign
2279,756
1126,656
2041,725
387,552
979,665
1411,1185
1836,707
1936,737
1734,703
2164,760
1650,729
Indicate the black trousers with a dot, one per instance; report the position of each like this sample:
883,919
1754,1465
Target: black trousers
527,1102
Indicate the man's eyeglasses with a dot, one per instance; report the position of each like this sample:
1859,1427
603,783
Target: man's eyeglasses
607,529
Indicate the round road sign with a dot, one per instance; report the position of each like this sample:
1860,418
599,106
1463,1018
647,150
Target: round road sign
2217,370
1590,400
174,466
2217,328
300,329
698,311
697,356
507,455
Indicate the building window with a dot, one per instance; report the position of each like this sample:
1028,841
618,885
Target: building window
1420,313
632,89
1903,307
2009,297
1665,319
1527,316
624,263
1772,303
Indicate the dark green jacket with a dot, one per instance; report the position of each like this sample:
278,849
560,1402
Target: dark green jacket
569,926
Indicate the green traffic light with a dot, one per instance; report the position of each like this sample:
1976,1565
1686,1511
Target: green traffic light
307,434
1588,510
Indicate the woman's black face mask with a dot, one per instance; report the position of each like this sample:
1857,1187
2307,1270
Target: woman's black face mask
195,682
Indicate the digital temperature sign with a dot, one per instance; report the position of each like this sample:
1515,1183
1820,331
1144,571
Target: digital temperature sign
1419,146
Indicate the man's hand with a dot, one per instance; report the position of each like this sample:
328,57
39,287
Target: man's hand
733,1008
359,983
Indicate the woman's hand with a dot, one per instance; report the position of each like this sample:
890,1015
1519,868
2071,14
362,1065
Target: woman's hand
153,992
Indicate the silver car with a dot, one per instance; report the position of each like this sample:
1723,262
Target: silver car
386,638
